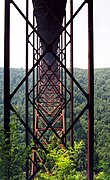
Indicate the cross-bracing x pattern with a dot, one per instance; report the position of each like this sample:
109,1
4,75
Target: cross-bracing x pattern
50,103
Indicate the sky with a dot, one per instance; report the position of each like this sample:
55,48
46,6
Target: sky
80,49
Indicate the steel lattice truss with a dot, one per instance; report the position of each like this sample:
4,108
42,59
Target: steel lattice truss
48,94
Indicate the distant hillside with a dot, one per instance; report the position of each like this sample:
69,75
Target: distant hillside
101,107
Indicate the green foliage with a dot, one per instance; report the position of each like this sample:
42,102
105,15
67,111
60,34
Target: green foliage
64,163
13,156
102,176
102,118
105,171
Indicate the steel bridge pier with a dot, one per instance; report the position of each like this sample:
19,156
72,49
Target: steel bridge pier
49,96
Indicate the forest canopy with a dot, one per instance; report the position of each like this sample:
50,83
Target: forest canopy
101,109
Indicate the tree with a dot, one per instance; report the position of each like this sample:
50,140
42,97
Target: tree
17,155
64,164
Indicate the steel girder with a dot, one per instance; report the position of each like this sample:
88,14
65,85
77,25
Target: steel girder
49,92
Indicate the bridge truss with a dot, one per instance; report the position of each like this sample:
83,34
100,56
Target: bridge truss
48,95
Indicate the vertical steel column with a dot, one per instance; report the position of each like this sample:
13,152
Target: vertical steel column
33,74
34,117
71,71
27,135
65,82
90,91
7,68
7,79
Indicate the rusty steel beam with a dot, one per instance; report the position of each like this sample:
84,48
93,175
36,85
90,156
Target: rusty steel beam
26,86
65,83
7,83
7,68
71,71
50,91
90,91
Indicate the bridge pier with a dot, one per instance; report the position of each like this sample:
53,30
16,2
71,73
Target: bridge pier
49,95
